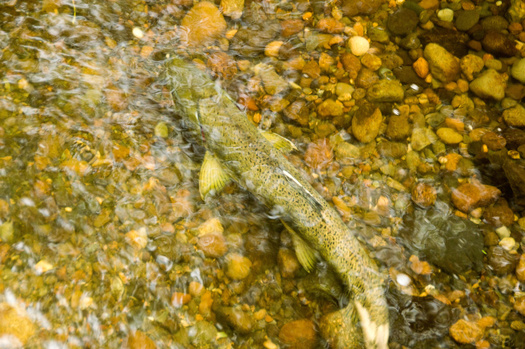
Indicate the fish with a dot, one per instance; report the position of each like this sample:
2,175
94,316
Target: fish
236,149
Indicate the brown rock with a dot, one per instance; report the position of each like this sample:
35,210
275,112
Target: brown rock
469,196
399,126
366,123
14,322
501,261
290,27
238,267
520,268
330,108
354,7
519,305
466,332
330,25
299,334
222,65
499,44
138,340
494,141
351,64
366,78
499,214
319,154
312,69
424,195
202,24
298,111
288,263
213,245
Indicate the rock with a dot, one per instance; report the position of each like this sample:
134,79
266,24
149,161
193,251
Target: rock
319,154
494,23
330,25
386,91
494,141
241,321
290,27
520,268
330,108
238,267
371,61
499,44
232,8
499,215
252,41
466,332
366,122
273,82
299,334
469,196
471,65
326,61
344,91
421,138
398,128
378,34
312,70
288,263
501,261
518,70
213,245
366,78
203,333
392,149
449,136
358,45
421,67
446,15
298,111
515,173
444,239
351,64
516,11
346,152
443,65
490,84
519,305
138,340
222,65
402,22
515,116
424,195
138,239
202,24
352,8
465,20
15,326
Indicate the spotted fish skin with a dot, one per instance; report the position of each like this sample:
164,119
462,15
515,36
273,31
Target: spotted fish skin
262,169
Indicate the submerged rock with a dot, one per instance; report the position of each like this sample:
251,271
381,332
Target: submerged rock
15,327
469,196
366,123
299,334
202,24
386,91
448,241
443,65
466,332
490,84
515,116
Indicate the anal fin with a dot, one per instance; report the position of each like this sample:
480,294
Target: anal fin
306,255
212,176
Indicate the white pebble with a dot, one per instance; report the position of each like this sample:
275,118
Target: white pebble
358,45
138,33
403,279
446,15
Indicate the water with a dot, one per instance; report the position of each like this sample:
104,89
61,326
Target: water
105,241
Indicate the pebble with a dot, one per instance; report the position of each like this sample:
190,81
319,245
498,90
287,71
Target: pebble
298,111
346,152
138,340
466,332
138,33
501,261
508,243
232,8
469,196
402,22
494,141
351,64
290,27
299,334
519,305
202,24
518,70
178,299
330,108
520,269
515,116
490,84
213,245
399,128
15,322
443,65
138,239
352,8
421,67
330,25
449,136
238,266
471,65
499,44
273,82
358,45
465,20
446,15
386,91
421,138
499,215
424,195
344,91
366,123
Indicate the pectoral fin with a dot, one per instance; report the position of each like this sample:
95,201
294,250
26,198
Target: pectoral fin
278,142
306,255
212,176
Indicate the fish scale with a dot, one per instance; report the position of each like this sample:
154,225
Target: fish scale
258,166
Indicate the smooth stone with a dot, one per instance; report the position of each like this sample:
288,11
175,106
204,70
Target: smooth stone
202,24
449,136
490,84
515,116
358,45
443,65
518,70
366,123
386,91
465,20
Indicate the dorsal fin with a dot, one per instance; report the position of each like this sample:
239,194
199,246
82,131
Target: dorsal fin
279,142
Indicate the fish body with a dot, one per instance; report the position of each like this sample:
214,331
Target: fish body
249,158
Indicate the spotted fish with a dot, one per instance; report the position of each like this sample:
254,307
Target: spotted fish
237,149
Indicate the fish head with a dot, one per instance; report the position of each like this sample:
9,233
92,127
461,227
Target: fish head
188,85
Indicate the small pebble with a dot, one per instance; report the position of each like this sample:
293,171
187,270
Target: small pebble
138,33
446,15
358,45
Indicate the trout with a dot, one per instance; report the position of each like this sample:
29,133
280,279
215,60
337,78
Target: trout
236,149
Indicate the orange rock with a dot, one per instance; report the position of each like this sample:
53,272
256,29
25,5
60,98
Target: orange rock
299,334
452,161
330,25
290,27
138,340
469,196
288,263
486,321
424,195
178,299
222,65
202,24
519,305
206,303
456,124
465,332
421,268
421,67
